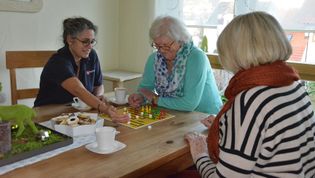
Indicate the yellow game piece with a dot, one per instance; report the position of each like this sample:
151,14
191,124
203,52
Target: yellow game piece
150,116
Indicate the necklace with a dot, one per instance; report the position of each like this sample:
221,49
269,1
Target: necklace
169,66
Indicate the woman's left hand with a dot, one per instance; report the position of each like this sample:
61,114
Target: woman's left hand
208,121
197,143
103,98
148,94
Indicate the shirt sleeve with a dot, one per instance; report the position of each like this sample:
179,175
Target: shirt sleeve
59,70
204,165
148,77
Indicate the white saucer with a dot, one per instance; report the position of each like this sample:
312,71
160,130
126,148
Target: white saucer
75,106
116,147
113,100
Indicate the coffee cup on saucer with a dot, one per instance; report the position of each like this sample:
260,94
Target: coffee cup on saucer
105,137
79,103
120,94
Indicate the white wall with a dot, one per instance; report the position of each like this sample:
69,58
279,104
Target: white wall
123,41
43,31
135,19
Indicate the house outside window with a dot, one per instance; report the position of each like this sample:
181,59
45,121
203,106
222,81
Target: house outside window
207,18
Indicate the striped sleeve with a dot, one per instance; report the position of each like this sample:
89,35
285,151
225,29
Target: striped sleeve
204,165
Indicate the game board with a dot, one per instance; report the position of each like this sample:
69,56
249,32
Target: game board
143,116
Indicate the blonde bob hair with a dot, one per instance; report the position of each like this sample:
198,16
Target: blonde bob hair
170,27
250,40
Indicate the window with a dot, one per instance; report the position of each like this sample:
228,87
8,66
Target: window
207,18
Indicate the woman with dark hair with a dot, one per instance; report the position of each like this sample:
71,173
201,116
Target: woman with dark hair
74,71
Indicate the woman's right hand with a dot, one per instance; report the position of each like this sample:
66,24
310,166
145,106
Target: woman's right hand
135,100
197,143
116,117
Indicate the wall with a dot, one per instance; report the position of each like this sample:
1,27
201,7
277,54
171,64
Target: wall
42,31
135,18
135,21
123,41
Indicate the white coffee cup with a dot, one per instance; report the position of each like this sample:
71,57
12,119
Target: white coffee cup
120,94
79,103
105,137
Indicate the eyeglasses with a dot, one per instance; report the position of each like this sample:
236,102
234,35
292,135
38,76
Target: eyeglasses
164,47
87,42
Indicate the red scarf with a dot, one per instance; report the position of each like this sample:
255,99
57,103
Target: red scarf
276,74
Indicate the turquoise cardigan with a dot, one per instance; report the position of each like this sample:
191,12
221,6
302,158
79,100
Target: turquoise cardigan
200,89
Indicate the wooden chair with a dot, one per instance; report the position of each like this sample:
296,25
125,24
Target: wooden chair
24,59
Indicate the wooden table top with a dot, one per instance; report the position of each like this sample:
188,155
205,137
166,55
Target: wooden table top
154,152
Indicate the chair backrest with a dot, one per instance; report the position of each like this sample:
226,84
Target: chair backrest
306,71
24,59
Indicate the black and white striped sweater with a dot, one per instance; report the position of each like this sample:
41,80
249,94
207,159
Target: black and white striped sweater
268,132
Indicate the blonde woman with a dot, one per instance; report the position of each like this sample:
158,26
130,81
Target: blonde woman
267,127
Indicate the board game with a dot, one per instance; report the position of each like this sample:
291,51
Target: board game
143,116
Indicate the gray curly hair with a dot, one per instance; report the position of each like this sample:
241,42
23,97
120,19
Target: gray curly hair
170,27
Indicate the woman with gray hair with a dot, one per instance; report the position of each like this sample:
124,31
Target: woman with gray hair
177,75
267,126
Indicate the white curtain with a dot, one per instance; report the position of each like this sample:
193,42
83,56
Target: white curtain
206,13
169,7
295,15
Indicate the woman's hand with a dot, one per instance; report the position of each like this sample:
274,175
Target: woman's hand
135,100
208,121
116,117
148,94
103,99
197,143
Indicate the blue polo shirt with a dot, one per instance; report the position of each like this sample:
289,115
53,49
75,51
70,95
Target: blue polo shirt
60,67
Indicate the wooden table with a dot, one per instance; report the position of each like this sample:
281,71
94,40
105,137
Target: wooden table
155,152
